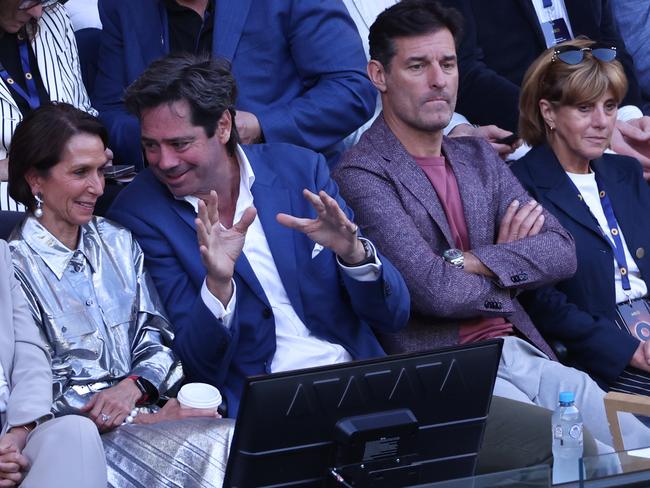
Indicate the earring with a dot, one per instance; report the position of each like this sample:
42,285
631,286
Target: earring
38,212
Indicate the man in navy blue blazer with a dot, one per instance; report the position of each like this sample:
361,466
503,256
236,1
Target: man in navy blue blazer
250,288
299,65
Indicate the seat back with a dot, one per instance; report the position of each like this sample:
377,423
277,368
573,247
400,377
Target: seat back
9,220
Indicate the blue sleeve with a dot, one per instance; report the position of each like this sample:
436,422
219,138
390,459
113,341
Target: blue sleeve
610,34
110,84
329,58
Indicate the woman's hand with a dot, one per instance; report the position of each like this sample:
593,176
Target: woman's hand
173,411
108,408
13,463
641,357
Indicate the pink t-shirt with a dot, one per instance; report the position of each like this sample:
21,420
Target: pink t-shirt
444,182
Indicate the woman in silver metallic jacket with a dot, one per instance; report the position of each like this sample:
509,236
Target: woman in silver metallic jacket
98,310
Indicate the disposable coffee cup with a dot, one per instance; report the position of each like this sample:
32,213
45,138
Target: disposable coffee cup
199,395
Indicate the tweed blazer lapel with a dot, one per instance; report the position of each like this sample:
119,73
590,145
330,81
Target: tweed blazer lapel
470,188
405,170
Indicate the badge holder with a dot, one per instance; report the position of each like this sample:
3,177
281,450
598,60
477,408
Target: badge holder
634,317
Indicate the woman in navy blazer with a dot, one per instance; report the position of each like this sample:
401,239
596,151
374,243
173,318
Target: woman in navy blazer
568,106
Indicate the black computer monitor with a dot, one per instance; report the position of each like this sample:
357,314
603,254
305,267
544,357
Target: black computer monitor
390,422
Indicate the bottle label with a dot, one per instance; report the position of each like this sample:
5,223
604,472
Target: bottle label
576,431
557,432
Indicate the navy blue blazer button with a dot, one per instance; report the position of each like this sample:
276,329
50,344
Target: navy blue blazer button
387,289
266,313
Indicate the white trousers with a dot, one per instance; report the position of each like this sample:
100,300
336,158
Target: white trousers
528,375
65,452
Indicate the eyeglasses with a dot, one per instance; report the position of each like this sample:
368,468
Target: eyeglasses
27,4
575,55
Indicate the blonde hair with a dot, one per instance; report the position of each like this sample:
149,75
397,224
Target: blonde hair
565,84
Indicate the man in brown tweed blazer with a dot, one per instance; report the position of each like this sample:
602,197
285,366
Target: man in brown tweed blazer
454,220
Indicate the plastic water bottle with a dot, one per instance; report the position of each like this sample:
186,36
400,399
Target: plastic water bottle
567,439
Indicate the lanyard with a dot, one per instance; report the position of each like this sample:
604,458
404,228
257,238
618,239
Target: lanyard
31,96
612,223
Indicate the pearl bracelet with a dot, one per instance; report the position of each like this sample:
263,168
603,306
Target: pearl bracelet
134,413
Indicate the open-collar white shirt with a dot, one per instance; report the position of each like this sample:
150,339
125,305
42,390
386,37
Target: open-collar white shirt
296,346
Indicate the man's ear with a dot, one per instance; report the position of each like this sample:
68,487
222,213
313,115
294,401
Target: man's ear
224,127
377,75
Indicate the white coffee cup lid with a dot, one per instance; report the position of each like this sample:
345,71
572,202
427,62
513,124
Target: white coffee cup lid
199,395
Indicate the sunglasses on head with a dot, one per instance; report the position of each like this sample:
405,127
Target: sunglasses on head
575,55
27,4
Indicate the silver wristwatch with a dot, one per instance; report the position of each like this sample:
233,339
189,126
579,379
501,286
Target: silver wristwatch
454,257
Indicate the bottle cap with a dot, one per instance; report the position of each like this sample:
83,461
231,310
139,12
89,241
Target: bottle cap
567,397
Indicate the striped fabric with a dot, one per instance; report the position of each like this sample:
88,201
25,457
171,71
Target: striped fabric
190,453
56,51
631,380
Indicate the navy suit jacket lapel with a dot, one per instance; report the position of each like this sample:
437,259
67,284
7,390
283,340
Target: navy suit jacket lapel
412,177
531,16
550,175
243,268
619,194
271,198
229,19
582,17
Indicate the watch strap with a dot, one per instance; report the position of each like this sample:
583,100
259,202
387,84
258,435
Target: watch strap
149,391
369,258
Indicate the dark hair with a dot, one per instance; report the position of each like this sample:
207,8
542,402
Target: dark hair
207,85
410,18
39,141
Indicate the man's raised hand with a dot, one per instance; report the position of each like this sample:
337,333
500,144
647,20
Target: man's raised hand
220,247
331,229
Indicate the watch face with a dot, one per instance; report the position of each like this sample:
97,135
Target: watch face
454,257
452,254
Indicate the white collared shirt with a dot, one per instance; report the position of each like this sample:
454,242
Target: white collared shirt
296,346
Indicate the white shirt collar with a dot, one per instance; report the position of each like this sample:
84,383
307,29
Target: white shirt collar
246,180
